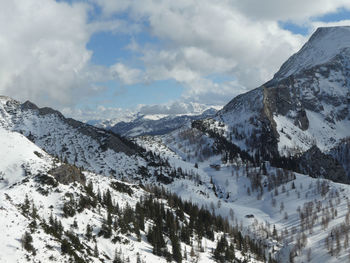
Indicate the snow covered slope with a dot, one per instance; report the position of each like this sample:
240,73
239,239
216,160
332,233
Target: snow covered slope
45,218
19,156
224,164
324,45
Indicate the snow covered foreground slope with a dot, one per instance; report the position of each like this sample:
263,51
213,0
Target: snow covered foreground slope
19,156
291,214
93,218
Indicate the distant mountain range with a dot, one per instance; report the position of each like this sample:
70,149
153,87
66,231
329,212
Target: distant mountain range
157,120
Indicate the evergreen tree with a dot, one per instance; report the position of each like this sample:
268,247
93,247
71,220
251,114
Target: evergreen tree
230,253
34,212
90,189
96,251
27,242
117,257
221,246
26,205
176,249
106,228
88,232
65,246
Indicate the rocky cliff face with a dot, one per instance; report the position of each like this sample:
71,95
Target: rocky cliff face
342,154
66,174
318,164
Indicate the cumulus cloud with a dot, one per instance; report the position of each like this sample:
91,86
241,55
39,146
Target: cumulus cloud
213,37
293,10
42,50
43,54
126,75
241,39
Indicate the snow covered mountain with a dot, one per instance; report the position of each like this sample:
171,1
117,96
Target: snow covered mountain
84,145
306,104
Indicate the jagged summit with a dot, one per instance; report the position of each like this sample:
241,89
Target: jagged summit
323,46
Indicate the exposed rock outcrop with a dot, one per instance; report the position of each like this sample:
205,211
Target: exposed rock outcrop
66,174
318,164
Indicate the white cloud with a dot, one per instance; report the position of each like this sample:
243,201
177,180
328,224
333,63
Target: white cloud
42,50
174,107
126,75
212,37
100,113
293,10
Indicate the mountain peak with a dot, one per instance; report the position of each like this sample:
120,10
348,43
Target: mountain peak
324,44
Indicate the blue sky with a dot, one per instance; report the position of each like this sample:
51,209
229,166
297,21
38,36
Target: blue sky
110,48
96,58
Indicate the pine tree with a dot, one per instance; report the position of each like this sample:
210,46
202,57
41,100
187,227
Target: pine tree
230,253
117,257
65,246
176,249
274,232
27,242
192,253
34,212
96,251
219,253
106,229
90,189
88,232
26,205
